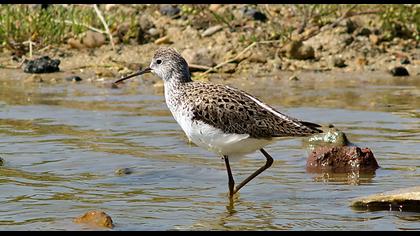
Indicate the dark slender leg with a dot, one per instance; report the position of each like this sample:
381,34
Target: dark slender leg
268,163
231,181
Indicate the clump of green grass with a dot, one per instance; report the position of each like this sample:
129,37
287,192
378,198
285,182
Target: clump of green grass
53,25
401,20
20,23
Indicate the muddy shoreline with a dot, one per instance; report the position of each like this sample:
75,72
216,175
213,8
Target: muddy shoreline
251,45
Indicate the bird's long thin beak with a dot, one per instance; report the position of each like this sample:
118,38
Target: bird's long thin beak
140,72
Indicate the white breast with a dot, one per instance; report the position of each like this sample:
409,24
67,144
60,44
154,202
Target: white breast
215,140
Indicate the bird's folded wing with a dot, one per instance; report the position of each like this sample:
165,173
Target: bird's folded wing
235,111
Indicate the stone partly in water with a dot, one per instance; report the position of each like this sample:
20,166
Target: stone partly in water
95,218
123,171
406,199
42,65
341,159
1,161
399,71
332,152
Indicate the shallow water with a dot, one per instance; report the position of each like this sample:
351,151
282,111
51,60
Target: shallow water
63,142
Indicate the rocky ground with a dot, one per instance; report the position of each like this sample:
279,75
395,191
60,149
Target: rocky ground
239,40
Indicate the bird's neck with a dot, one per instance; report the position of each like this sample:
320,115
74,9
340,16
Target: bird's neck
177,82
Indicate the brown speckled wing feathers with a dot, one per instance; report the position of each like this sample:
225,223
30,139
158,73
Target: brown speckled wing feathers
234,111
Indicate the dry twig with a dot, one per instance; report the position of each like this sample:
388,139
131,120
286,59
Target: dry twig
101,17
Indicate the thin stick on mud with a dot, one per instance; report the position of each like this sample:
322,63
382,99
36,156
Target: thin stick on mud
30,47
101,17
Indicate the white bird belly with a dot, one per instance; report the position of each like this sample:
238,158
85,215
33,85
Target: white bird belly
215,140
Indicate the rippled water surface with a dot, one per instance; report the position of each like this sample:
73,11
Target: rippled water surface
62,143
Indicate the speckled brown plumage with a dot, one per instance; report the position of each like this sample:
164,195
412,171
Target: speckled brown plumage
233,111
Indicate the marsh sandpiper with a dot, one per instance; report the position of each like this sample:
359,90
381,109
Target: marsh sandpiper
220,118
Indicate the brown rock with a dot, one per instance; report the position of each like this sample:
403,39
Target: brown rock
75,43
201,56
341,159
374,39
96,218
93,39
297,50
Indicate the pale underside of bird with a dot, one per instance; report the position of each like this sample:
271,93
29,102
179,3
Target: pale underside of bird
220,118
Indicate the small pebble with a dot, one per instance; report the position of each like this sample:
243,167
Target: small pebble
364,32
212,30
42,65
169,10
399,71
405,61
254,14
73,78
339,62
93,39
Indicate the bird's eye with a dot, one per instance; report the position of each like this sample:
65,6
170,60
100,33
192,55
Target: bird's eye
158,61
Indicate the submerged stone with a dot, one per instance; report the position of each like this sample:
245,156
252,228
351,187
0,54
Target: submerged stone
405,199
42,65
123,171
